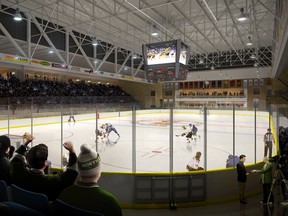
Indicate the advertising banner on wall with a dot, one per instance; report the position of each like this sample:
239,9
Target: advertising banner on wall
52,65
74,68
14,59
60,66
40,63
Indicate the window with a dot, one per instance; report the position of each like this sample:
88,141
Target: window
168,93
256,91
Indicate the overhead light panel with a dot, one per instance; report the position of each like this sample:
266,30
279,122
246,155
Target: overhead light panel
17,15
249,42
94,42
134,56
243,16
154,31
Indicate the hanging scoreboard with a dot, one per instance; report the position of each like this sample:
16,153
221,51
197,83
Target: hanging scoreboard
166,61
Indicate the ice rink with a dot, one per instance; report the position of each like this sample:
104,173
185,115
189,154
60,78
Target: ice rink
152,141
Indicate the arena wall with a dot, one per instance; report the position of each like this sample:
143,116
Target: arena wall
219,186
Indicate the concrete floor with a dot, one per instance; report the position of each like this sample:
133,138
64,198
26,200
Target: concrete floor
234,208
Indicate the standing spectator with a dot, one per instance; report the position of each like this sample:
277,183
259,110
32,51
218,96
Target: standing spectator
193,165
86,193
242,178
31,176
266,179
268,142
5,146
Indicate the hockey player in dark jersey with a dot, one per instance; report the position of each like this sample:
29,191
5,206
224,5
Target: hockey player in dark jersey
110,128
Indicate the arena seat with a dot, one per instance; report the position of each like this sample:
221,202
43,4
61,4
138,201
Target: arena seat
30,199
3,191
61,207
9,208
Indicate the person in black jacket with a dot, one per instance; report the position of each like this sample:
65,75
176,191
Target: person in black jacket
242,178
6,152
27,169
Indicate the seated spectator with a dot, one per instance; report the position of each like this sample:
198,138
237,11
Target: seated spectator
6,150
47,91
86,193
30,174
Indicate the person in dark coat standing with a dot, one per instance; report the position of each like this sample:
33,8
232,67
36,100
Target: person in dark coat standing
6,151
242,178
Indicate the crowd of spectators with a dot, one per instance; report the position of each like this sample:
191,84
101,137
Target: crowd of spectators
49,91
77,185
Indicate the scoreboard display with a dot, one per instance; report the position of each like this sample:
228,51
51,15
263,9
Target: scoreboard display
169,73
162,73
166,61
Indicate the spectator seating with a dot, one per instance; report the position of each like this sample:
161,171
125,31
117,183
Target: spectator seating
9,208
3,191
43,92
36,201
28,203
60,207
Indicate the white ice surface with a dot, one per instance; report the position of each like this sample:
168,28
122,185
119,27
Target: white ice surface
152,139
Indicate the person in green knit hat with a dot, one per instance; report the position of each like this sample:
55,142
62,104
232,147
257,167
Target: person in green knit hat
86,193
266,179
28,169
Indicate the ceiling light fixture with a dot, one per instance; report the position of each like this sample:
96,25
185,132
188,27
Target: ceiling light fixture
154,31
201,61
17,15
134,56
94,42
212,67
242,16
249,43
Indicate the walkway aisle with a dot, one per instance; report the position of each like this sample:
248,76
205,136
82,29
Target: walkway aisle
234,208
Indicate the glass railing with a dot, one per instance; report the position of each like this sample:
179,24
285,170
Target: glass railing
149,140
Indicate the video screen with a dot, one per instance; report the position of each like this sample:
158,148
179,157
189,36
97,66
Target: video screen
183,54
162,53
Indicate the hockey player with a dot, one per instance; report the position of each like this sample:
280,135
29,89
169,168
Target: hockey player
192,133
109,128
101,133
71,117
